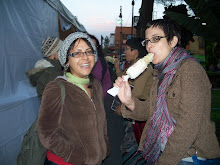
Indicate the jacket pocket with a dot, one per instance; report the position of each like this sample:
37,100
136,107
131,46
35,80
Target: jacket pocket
173,100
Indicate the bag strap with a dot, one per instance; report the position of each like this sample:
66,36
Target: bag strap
63,91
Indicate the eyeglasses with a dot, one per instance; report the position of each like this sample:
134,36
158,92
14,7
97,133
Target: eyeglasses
81,54
154,39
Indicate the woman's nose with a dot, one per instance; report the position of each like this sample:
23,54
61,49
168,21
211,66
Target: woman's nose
149,46
85,56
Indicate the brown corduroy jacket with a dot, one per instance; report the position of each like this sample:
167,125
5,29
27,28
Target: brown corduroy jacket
77,130
189,103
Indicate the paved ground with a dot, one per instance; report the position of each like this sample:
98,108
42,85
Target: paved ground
115,133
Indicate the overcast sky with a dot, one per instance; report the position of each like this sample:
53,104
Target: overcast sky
99,17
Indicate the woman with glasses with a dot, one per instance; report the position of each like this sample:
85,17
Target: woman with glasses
178,129
72,120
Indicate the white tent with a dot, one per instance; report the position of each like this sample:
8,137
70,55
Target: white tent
23,26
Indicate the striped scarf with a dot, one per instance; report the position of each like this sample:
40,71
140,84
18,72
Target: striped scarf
162,123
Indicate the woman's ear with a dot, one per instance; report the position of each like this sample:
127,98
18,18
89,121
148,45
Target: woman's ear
174,42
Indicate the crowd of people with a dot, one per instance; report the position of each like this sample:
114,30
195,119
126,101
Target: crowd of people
164,112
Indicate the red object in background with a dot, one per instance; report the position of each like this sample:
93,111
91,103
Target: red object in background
126,65
56,159
138,128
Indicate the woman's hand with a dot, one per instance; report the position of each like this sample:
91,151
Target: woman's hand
124,93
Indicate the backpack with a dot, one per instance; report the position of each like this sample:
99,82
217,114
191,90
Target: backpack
32,152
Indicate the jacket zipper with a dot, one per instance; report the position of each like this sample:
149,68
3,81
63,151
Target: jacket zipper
93,104
96,124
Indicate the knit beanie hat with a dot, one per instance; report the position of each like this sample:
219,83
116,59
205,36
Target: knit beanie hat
62,53
50,46
135,43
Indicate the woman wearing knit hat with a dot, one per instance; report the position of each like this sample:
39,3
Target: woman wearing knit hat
71,122
47,69
141,88
44,71
50,47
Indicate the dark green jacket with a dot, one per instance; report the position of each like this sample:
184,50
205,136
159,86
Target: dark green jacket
41,76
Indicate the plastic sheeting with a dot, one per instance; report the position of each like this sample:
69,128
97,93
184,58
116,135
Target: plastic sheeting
23,26
66,14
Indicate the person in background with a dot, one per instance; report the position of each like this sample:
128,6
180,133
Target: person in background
44,71
47,69
133,52
178,128
141,89
101,70
142,84
73,128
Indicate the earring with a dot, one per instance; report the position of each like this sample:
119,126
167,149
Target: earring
66,67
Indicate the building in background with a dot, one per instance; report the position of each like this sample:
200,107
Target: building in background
122,34
112,40
197,47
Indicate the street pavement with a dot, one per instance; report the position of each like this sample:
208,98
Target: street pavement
115,133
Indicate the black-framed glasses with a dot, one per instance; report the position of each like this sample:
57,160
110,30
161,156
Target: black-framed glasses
81,54
154,39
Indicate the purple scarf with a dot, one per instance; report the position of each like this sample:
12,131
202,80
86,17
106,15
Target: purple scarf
162,123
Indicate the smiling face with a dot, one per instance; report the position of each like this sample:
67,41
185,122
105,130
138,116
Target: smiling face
162,48
81,66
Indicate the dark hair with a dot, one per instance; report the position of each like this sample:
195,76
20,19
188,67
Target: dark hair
135,43
91,77
100,55
169,27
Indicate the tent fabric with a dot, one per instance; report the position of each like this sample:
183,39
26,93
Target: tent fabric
66,14
24,25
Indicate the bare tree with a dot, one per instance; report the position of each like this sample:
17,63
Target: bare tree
146,11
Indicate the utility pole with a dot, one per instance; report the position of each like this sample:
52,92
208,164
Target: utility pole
102,41
132,23
120,16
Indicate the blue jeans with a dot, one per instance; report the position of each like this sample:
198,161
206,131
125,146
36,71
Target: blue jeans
185,163
200,162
